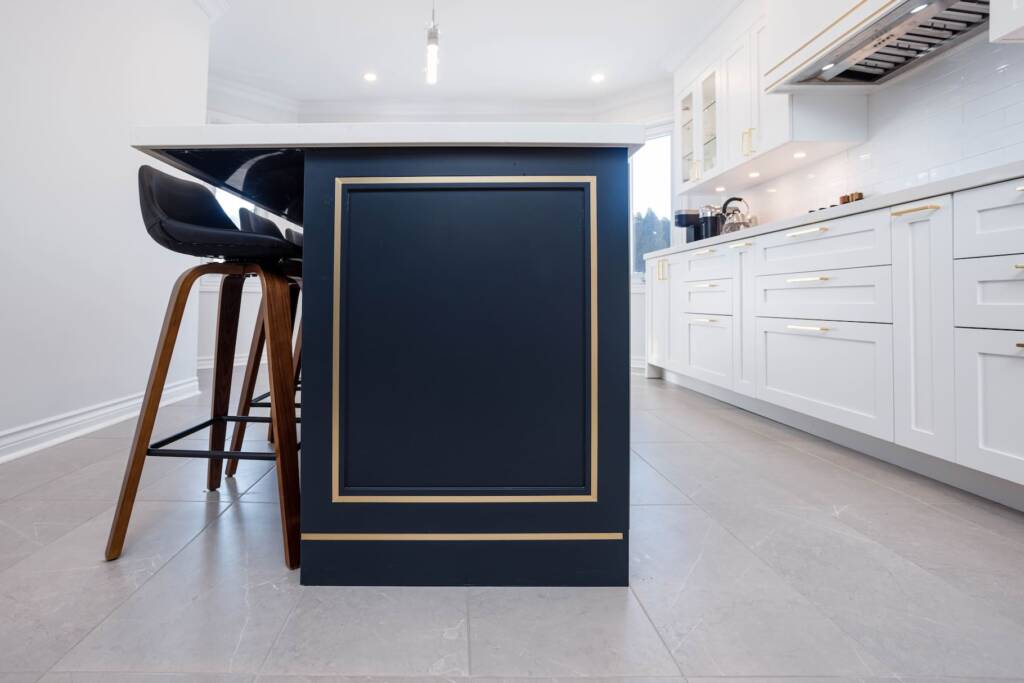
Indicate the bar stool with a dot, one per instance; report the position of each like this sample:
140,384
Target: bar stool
250,222
185,217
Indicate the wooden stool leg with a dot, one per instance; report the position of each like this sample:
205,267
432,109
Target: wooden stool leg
150,404
293,292
252,371
223,368
277,313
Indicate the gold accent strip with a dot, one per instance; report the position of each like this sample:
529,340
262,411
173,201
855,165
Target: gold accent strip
806,231
916,209
336,496
843,36
598,536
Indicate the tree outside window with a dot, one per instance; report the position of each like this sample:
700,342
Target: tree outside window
650,199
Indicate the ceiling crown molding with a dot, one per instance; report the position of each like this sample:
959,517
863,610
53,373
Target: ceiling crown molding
213,8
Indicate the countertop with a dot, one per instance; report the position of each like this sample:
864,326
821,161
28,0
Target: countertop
882,201
307,135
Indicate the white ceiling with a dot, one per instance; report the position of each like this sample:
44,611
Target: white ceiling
491,50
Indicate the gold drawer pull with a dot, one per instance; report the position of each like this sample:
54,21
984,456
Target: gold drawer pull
1020,345
816,278
704,320
739,245
808,328
806,231
915,209
1020,188
702,252
1019,266
704,285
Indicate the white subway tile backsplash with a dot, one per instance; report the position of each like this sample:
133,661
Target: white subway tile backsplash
961,113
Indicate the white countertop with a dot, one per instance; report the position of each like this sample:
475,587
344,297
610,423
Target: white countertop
882,201
262,135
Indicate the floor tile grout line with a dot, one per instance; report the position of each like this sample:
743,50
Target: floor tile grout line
661,636
127,597
469,634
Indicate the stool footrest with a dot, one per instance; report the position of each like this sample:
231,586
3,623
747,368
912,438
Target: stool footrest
159,448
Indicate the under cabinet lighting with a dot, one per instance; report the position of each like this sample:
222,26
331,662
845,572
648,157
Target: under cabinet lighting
370,77
799,155
772,190
753,174
719,189
597,78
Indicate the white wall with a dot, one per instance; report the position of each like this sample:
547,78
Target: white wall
83,287
963,112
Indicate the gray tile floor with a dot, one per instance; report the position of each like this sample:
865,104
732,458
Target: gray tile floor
757,553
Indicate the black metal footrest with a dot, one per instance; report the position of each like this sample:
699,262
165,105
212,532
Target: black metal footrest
263,400
159,448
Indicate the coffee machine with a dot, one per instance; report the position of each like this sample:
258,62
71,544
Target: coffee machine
688,220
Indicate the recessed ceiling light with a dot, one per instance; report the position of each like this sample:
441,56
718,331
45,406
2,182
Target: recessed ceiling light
811,176
918,8
799,155
597,78
865,156
370,77
719,189
827,67
772,190
753,174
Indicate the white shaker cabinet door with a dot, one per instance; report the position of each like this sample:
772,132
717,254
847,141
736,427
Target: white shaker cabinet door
922,273
990,220
744,333
990,292
990,411
835,371
708,348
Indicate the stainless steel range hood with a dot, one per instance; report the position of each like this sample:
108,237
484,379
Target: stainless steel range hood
906,36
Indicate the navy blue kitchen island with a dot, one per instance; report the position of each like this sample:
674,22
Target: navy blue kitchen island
465,348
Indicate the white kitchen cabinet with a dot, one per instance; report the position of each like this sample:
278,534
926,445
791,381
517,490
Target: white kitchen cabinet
740,92
709,263
850,242
990,220
990,377
658,311
707,348
857,294
923,342
710,113
686,137
744,333
707,296
840,372
990,292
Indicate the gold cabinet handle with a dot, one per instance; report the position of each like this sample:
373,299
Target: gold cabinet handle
1019,266
663,269
816,278
808,328
702,252
1020,188
1020,345
704,285
806,231
704,320
916,209
739,245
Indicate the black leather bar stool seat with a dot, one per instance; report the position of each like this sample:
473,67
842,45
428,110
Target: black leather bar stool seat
185,217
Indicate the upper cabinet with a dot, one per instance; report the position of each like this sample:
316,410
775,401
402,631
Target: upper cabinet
1006,21
729,127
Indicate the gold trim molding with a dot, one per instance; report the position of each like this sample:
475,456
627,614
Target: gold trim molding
336,497
598,536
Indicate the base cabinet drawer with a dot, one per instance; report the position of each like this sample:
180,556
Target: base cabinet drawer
989,220
707,296
858,294
851,242
709,263
990,292
840,372
990,409
707,349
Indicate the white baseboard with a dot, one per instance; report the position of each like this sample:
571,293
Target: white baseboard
25,439
637,363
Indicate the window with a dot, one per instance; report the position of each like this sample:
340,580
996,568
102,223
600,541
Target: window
650,199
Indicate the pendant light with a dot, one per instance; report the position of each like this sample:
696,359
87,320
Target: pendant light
432,47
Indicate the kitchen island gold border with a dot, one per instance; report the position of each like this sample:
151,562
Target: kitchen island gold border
336,497
540,536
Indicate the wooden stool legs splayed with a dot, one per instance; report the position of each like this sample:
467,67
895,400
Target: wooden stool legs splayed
276,314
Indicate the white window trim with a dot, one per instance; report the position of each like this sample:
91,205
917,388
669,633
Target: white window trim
653,129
